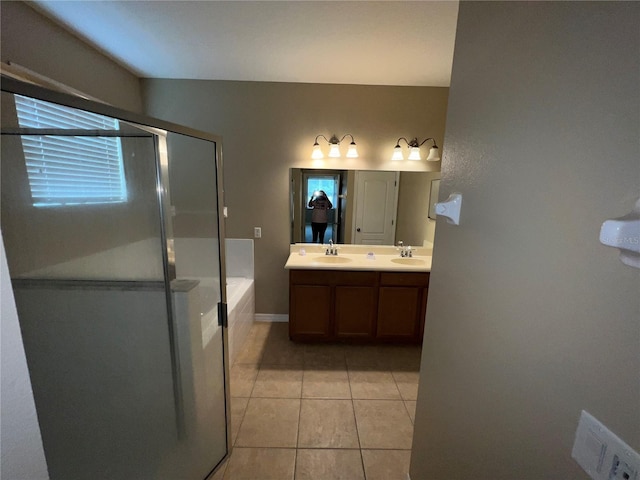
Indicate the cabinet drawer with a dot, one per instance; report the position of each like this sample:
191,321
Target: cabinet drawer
332,277
311,277
356,278
413,279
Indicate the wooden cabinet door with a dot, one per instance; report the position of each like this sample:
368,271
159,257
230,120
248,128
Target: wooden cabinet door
398,309
423,313
310,310
355,311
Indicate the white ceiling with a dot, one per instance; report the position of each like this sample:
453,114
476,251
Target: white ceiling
358,42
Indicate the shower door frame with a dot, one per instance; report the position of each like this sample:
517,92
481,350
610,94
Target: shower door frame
15,84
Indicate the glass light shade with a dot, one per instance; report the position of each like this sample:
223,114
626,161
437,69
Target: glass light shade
434,155
414,153
317,152
397,153
334,151
352,152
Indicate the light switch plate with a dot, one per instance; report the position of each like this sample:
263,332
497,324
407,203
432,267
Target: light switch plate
602,454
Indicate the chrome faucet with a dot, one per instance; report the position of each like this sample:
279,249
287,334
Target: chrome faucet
332,250
404,251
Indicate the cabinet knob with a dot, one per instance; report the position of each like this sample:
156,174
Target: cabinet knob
358,229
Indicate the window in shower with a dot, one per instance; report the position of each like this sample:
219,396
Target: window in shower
65,169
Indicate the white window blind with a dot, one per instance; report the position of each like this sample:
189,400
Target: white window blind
70,170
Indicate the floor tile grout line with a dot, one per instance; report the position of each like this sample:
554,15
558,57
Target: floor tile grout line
233,443
401,394
307,365
355,421
380,370
295,463
404,402
276,447
376,399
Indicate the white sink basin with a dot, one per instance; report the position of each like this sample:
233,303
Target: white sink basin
408,261
331,259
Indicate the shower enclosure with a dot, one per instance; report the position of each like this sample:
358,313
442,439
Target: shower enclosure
126,348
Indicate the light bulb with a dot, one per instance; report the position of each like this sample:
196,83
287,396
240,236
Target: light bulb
317,152
397,153
352,152
434,155
415,153
334,151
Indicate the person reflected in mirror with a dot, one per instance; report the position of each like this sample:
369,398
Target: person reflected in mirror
320,215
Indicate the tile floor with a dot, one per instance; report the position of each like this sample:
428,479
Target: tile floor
321,412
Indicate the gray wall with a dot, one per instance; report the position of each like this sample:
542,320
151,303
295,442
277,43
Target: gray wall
268,128
530,319
35,42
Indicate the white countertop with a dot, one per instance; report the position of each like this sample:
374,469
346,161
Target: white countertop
309,256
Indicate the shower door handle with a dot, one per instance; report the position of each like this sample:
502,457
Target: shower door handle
223,320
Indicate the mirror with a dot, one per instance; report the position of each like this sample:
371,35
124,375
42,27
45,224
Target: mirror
362,207
433,198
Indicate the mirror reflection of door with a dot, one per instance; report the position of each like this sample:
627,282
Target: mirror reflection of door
330,182
375,209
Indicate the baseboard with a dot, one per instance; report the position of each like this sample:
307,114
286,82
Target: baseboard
271,317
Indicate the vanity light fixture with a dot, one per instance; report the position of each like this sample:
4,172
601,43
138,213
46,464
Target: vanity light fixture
334,147
414,150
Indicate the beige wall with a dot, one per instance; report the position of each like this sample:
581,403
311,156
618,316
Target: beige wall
268,128
35,42
413,226
530,319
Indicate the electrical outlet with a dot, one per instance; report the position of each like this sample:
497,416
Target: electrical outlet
602,454
257,232
621,470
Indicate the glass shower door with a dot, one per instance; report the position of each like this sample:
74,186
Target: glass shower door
127,362
198,294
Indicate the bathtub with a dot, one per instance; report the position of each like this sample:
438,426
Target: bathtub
194,261
240,311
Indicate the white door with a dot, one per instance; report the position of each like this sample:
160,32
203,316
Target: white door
375,210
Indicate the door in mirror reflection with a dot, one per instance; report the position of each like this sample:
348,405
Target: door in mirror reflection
376,205
323,200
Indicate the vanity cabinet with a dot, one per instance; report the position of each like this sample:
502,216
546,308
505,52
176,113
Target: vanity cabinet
371,306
